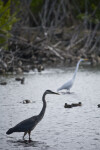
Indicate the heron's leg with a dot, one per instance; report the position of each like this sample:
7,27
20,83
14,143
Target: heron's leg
29,132
24,135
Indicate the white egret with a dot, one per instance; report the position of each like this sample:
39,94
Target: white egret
69,84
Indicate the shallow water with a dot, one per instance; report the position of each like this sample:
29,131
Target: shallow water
77,128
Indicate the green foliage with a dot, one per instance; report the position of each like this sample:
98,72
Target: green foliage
36,6
6,21
91,6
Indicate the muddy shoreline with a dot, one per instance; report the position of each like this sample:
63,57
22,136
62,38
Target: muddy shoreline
37,49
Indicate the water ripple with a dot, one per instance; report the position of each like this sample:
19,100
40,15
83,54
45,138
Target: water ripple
61,129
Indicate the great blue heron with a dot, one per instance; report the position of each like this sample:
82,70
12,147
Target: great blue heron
29,124
68,85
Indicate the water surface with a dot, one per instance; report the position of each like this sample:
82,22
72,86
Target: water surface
77,128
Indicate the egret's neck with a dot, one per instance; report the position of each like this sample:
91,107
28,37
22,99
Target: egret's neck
77,66
43,108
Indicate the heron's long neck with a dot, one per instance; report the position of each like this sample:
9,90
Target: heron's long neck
77,66
41,114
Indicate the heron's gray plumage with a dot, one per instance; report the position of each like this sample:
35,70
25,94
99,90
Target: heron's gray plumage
25,125
29,124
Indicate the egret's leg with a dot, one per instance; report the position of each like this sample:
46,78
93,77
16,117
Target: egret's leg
29,135
24,135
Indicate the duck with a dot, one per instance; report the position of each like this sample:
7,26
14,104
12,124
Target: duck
26,101
3,83
76,104
20,79
98,105
67,105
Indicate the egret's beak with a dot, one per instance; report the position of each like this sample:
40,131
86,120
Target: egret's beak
55,93
86,59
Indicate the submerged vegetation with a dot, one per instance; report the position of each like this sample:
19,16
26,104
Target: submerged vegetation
34,33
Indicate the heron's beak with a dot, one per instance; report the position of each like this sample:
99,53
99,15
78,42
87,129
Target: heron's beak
55,93
86,59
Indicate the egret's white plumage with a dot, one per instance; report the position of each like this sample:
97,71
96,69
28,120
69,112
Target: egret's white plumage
69,84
